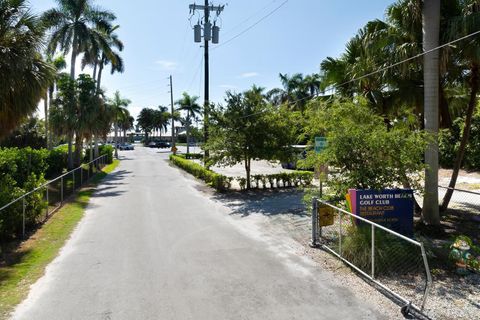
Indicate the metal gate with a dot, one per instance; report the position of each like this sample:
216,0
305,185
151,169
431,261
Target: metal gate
395,263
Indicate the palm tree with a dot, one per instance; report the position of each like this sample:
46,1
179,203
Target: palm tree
125,124
145,121
108,55
160,119
189,104
119,108
431,27
24,76
74,24
59,64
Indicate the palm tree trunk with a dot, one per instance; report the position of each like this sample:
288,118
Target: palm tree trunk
70,153
431,27
116,139
97,153
90,143
45,106
466,134
74,56
100,69
47,116
78,150
188,129
94,72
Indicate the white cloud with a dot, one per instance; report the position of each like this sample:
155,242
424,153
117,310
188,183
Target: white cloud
249,75
167,64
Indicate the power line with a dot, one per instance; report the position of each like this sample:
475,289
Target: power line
252,26
249,18
379,70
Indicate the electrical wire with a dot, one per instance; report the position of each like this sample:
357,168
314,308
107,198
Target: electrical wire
248,19
251,26
378,70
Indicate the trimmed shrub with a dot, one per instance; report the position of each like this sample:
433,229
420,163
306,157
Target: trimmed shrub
217,181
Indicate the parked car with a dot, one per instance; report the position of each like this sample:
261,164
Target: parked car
126,146
152,144
162,144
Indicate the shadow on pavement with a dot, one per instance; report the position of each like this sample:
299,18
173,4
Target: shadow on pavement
266,202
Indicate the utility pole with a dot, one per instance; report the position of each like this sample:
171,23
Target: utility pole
173,119
209,33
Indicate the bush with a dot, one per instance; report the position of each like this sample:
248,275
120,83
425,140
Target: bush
222,183
21,170
57,162
217,181
105,149
196,156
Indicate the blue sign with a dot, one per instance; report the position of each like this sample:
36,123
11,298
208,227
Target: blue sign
391,208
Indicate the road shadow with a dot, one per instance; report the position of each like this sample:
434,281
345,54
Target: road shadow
265,202
106,188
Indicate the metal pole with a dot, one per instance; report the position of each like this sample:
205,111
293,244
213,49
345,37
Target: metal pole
47,203
207,83
373,251
61,190
171,107
314,242
340,234
23,217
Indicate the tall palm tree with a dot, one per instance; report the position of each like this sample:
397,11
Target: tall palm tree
59,64
119,108
189,105
161,118
431,27
24,75
74,24
125,124
145,121
107,54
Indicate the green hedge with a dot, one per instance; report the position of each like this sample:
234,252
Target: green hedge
105,149
21,170
190,156
221,182
218,181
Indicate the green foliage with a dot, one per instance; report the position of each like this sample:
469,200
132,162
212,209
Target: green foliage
368,154
223,183
357,248
57,161
217,181
449,143
247,128
31,133
105,149
191,156
21,170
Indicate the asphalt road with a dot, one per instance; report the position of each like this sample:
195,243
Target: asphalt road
153,246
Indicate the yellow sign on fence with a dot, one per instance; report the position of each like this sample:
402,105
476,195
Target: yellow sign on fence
325,215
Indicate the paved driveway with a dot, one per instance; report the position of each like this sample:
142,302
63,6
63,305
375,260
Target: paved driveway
152,246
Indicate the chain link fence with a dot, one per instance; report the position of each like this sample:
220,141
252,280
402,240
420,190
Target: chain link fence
52,194
465,200
397,264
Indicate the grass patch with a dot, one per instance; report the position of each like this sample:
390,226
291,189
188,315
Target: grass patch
27,264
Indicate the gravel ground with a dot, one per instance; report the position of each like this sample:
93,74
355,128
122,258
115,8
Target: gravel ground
281,215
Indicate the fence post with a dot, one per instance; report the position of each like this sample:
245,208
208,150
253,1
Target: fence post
373,251
46,214
61,190
23,217
81,176
73,178
314,242
340,233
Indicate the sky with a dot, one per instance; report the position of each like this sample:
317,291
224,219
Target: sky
159,42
